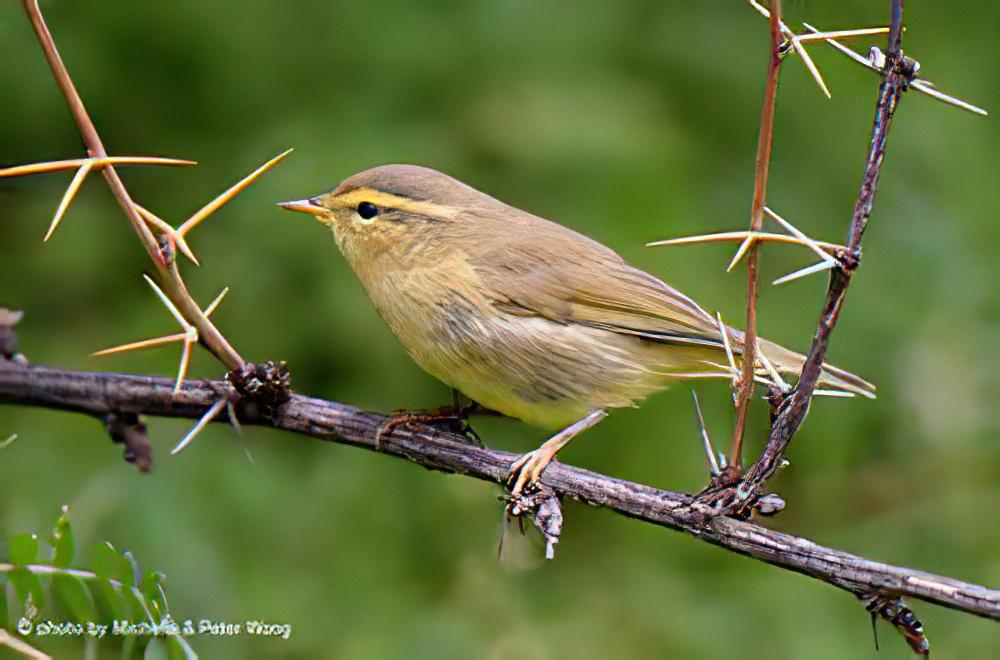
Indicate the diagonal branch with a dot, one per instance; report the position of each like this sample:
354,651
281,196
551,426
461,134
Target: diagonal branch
169,277
898,73
103,393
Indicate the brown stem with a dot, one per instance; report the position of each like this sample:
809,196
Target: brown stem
103,393
762,167
898,73
171,282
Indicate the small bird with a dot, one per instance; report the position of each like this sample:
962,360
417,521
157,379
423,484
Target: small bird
522,315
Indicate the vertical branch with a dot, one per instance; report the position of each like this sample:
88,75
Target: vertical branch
762,169
897,74
173,285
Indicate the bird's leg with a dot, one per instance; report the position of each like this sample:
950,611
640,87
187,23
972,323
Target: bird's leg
454,417
527,470
463,407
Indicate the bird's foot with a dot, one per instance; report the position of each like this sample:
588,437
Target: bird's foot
528,469
445,417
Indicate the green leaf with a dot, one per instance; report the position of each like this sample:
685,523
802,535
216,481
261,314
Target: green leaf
28,586
110,600
23,549
73,594
140,611
62,541
129,647
180,649
152,589
109,564
156,650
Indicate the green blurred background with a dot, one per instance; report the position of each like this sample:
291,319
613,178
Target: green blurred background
629,121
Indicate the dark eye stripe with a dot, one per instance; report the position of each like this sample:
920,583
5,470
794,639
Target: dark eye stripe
367,210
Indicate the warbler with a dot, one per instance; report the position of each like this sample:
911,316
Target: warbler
522,315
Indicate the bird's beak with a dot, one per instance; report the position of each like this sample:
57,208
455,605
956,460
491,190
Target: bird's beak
310,206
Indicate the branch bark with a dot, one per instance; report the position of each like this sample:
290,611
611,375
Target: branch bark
100,394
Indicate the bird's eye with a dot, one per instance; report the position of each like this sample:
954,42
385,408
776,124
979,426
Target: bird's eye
367,210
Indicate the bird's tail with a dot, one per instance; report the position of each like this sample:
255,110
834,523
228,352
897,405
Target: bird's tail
831,378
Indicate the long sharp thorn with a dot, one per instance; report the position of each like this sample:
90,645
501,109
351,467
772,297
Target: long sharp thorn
815,268
744,246
836,393
154,219
141,160
139,345
185,249
73,163
215,303
166,301
71,191
758,376
165,227
927,88
185,361
724,331
740,236
701,238
841,34
246,450
734,373
233,190
810,65
209,415
233,419
712,464
799,49
701,374
760,8
9,441
778,380
860,59
924,86
808,242
47,166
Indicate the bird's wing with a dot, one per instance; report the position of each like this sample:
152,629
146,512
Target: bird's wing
553,272
546,270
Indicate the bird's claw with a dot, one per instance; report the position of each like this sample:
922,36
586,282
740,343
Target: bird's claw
445,417
527,470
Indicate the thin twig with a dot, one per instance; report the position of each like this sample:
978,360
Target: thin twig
897,75
172,284
761,171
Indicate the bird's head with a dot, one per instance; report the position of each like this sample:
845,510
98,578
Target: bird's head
392,207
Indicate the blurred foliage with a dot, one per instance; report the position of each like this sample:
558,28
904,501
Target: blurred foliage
629,121
112,609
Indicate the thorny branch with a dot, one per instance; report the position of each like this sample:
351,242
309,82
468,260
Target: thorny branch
745,384
161,249
898,72
437,449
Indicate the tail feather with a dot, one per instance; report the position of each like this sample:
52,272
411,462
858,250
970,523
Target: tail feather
831,378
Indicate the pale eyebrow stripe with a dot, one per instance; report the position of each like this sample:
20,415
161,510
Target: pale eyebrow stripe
396,202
